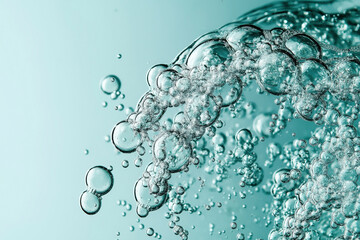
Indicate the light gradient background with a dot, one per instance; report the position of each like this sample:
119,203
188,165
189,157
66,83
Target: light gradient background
52,57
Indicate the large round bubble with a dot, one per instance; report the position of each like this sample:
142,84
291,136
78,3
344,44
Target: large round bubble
125,138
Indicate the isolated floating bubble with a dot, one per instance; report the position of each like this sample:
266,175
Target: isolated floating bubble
229,91
303,46
125,163
110,84
315,76
261,125
153,74
209,53
124,138
166,79
150,231
243,136
245,36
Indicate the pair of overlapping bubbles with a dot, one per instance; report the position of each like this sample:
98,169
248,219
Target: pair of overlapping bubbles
99,181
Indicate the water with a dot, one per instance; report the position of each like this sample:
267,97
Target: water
256,121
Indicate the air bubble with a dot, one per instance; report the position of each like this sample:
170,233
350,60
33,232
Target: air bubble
90,203
150,231
125,138
110,84
125,163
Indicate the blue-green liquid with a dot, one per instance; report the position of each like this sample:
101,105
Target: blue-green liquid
251,133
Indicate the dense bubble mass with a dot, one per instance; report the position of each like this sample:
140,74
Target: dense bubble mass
258,118
110,84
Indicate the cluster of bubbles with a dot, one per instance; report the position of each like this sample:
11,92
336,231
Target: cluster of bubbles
197,112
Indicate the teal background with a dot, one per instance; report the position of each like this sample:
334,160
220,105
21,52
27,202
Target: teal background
52,57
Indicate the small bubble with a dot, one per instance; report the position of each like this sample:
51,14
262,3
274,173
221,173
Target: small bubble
138,162
99,179
125,163
128,207
150,231
119,107
180,190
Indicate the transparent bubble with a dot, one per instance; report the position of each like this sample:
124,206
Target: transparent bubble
110,84
261,124
125,163
99,179
90,203
150,231
124,138
276,72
